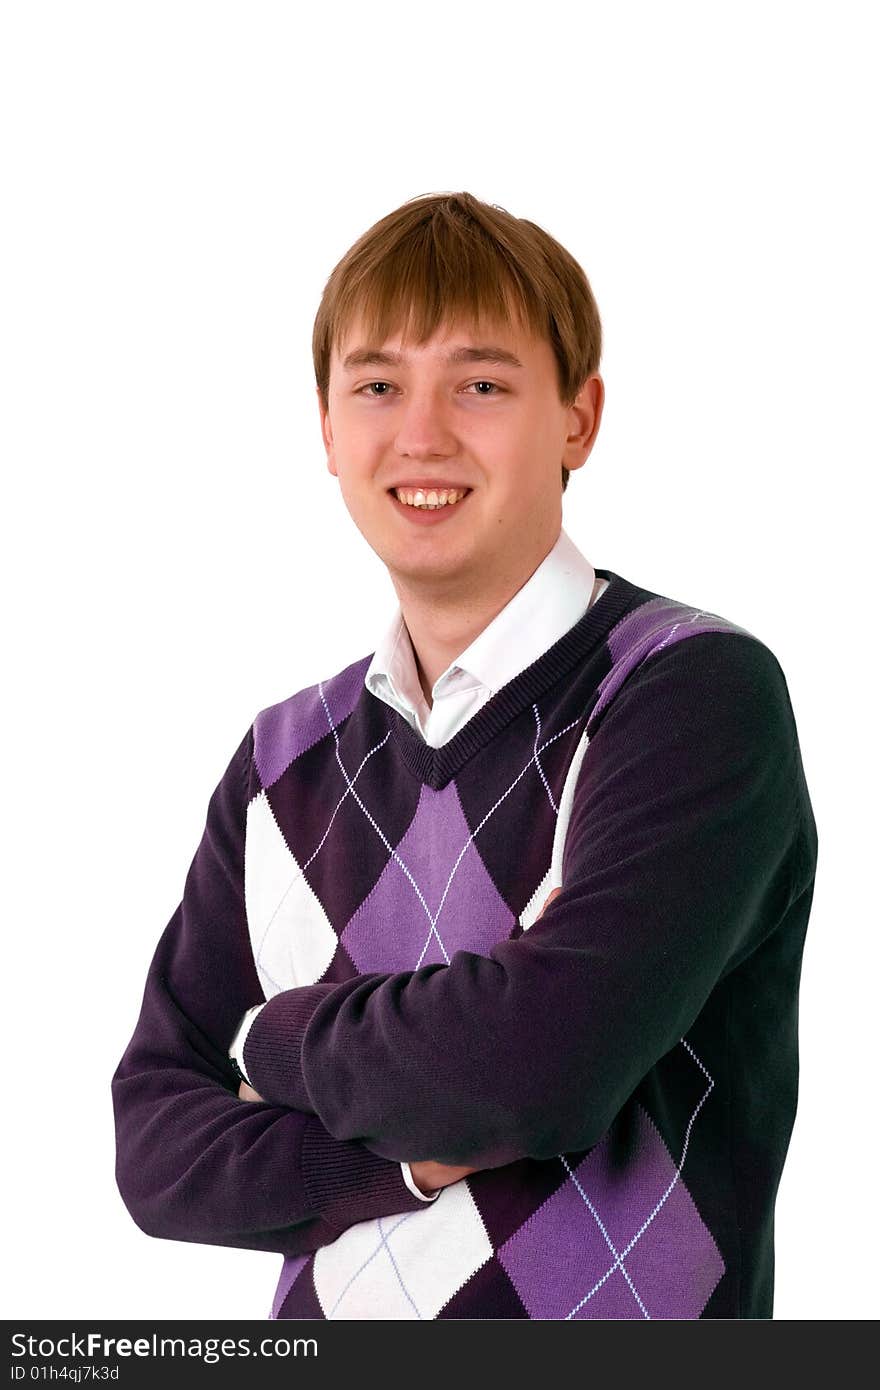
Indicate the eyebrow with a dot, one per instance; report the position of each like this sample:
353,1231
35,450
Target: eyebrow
364,357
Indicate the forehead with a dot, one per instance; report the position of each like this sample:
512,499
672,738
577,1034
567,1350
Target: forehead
458,341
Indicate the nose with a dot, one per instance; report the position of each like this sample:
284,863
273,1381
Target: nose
424,426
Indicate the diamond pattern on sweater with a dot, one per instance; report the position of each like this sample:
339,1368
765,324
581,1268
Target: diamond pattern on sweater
433,898
581,1255
609,1233
292,938
402,1267
341,828
564,1258
284,731
290,1270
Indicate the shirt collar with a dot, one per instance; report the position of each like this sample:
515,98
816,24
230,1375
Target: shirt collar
550,602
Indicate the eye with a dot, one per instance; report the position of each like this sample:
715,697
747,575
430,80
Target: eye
367,389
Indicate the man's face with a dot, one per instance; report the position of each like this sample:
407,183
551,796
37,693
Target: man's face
455,413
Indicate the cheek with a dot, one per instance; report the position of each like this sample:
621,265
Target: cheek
523,476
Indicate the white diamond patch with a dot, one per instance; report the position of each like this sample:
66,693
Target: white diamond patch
405,1266
292,939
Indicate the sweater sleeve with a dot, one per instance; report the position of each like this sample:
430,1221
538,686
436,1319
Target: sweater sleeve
236,1053
193,1161
685,847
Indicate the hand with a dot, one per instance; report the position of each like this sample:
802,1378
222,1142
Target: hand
428,1176
246,1092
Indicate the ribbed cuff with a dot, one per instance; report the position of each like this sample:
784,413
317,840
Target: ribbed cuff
272,1051
346,1182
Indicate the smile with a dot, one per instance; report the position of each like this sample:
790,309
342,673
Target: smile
428,506
433,497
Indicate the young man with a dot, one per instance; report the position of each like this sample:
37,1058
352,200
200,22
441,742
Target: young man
481,999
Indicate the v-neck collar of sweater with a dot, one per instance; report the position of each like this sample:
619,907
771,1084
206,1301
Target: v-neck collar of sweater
437,766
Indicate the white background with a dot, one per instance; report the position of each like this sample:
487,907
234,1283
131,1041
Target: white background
179,180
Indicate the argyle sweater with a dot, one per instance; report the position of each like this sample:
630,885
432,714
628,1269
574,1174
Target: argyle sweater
621,1068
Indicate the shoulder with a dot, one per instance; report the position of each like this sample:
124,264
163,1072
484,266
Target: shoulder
663,650
284,730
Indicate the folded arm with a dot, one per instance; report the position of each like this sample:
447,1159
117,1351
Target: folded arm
682,848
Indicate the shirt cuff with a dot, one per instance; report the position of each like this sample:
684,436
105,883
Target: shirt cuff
236,1049
414,1188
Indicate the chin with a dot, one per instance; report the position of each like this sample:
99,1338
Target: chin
409,566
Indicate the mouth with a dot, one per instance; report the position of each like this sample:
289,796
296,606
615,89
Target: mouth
425,506
429,498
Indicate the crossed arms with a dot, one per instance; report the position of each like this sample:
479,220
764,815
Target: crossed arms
682,848
428,1175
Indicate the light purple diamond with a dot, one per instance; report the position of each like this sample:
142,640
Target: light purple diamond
284,731
389,930
559,1260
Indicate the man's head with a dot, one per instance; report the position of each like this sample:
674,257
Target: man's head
406,399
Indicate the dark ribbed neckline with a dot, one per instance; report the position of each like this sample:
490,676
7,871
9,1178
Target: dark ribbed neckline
437,766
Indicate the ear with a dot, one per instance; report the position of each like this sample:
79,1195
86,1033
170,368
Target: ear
586,416
326,433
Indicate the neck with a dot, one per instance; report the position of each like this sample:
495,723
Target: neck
442,623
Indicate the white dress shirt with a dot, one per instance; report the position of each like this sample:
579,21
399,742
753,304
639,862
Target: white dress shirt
552,600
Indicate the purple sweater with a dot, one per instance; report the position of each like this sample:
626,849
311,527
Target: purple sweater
623,1071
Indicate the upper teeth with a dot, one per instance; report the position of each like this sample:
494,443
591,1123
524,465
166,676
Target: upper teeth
417,498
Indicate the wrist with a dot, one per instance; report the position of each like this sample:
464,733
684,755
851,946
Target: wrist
417,1189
